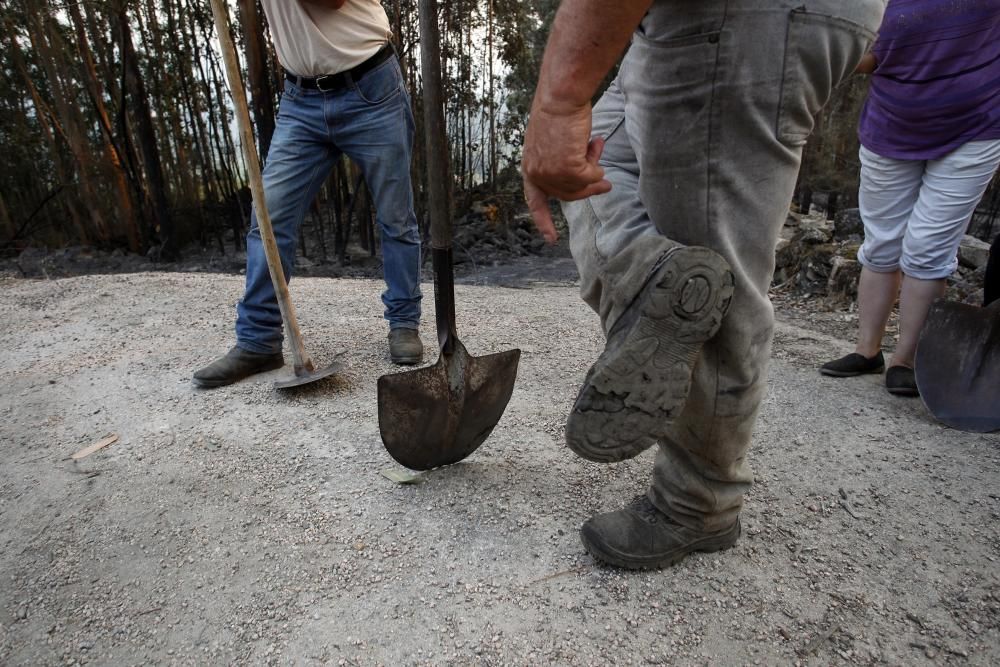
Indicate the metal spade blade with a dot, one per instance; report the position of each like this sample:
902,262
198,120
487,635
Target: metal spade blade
305,375
957,365
438,415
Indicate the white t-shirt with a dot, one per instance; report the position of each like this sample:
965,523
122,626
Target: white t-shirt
311,41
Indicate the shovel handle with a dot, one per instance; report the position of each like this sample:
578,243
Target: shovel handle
444,299
435,137
302,361
438,178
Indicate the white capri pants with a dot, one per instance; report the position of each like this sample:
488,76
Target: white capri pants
915,212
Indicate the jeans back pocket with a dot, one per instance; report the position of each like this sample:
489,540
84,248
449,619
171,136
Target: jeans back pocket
820,52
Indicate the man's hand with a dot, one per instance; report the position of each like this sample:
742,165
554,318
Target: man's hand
560,161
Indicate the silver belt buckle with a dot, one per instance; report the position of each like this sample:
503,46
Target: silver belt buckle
326,77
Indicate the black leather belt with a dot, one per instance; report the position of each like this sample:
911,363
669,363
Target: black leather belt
331,82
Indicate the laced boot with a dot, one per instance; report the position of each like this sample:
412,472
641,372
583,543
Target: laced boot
640,536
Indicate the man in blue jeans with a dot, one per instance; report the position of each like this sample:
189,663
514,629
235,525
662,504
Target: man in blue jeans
675,187
344,94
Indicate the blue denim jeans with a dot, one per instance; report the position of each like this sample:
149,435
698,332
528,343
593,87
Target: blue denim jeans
371,122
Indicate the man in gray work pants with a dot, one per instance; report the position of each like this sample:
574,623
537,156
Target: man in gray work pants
675,187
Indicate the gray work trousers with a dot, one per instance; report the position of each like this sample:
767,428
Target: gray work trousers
705,125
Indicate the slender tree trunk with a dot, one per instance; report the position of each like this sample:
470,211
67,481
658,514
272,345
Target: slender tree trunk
47,45
345,204
360,202
258,76
397,37
126,211
186,148
318,229
49,124
201,175
239,215
102,40
196,91
6,226
493,105
368,221
147,140
302,241
223,137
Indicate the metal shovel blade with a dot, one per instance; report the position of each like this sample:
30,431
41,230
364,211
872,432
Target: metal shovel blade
438,415
309,374
957,365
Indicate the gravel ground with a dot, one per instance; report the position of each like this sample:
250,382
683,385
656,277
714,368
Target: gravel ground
244,525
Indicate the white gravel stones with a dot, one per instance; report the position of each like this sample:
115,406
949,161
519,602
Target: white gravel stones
243,525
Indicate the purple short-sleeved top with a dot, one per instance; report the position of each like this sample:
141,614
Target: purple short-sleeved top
937,84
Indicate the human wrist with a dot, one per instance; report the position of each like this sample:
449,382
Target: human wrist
559,100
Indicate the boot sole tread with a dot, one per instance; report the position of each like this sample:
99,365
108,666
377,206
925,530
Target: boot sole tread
648,377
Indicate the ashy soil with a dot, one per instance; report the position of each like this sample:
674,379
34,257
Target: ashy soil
246,525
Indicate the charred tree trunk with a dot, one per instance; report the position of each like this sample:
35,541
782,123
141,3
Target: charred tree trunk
6,226
47,45
345,204
48,123
493,105
112,154
258,75
157,196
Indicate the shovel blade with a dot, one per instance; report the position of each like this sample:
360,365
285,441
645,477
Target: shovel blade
957,365
302,377
439,415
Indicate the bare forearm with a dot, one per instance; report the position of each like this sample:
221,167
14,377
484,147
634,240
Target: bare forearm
559,159
587,38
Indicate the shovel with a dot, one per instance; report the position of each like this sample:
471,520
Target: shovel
305,371
957,365
439,415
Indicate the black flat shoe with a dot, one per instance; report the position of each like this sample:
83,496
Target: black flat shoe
900,381
853,364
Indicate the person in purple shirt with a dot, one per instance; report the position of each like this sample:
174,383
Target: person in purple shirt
930,144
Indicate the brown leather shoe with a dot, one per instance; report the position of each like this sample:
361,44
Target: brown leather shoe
235,365
642,537
405,347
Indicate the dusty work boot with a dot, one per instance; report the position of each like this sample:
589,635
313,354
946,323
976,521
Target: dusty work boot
236,365
405,347
642,537
640,382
